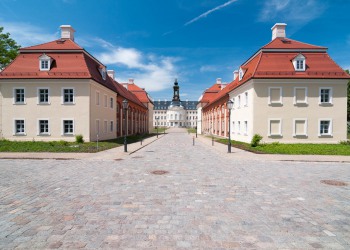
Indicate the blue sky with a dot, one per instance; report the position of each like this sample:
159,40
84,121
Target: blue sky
196,41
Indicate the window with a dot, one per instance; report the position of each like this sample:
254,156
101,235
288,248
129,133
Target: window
68,96
19,96
275,95
97,98
68,127
233,102
300,127
239,101
111,126
233,127
245,127
105,101
19,127
325,127
239,127
275,127
246,99
43,96
105,127
43,127
300,95
44,62
111,103
240,73
299,63
325,96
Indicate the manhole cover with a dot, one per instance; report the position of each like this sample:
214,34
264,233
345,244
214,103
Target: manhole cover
334,183
159,172
118,159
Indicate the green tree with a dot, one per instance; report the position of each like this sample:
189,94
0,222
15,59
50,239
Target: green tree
347,71
8,49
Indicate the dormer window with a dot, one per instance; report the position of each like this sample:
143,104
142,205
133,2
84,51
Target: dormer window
103,72
241,73
45,62
299,63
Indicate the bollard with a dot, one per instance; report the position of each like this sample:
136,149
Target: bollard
193,140
212,140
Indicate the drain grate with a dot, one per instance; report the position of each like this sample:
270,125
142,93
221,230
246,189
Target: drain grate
159,172
334,182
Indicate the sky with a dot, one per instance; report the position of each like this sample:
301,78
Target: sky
195,41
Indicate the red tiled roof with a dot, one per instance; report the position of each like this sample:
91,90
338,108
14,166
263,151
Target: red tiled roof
60,44
140,93
125,93
286,43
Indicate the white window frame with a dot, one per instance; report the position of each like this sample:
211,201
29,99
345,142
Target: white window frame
105,126
246,99
24,133
269,127
97,98
48,127
241,73
111,102
97,126
239,127
105,100
48,96
305,127
296,102
245,127
24,96
280,102
233,129
330,127
62,129
68,103
239,101
330,96
296,60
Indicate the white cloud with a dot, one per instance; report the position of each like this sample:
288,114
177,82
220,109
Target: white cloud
205,14
150,71
292,10
27,35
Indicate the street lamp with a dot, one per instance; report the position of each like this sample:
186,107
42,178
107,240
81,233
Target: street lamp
229,106
196,127
125,108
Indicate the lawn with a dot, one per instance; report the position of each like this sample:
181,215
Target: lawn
293,149
191,130
161,130
64,146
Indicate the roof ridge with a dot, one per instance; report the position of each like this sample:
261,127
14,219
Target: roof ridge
256,66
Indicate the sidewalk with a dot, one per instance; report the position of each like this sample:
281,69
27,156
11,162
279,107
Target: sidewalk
110,154
245,155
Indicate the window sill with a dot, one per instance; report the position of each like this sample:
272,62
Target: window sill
300,136
44,103
68,135
326,136
19,103
68,103
276,104
44,134
325,104
301,104
275,135
20,134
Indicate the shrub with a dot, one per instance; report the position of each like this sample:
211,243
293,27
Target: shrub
256,140
79,139
345,142
63,143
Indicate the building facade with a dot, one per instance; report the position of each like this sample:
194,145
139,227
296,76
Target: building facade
56,90
288,91
175,113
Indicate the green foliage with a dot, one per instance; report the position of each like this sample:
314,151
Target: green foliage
256,140
347,142
79,139
63,143
8,49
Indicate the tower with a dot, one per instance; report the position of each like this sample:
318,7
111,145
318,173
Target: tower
176,96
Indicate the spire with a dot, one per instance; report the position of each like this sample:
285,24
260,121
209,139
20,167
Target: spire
176,96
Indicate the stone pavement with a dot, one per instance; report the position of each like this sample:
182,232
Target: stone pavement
198,198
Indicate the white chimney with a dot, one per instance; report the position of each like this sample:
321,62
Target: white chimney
218,80
235,74
131,81
279,30
67,32
111,73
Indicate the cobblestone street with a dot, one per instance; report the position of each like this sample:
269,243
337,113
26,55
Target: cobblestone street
199,199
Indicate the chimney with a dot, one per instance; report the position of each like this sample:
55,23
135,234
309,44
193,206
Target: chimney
279,30
67,32
235,74
131,81
125,85
218,80
111,73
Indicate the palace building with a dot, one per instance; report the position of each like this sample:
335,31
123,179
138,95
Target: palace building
288,91
175,113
